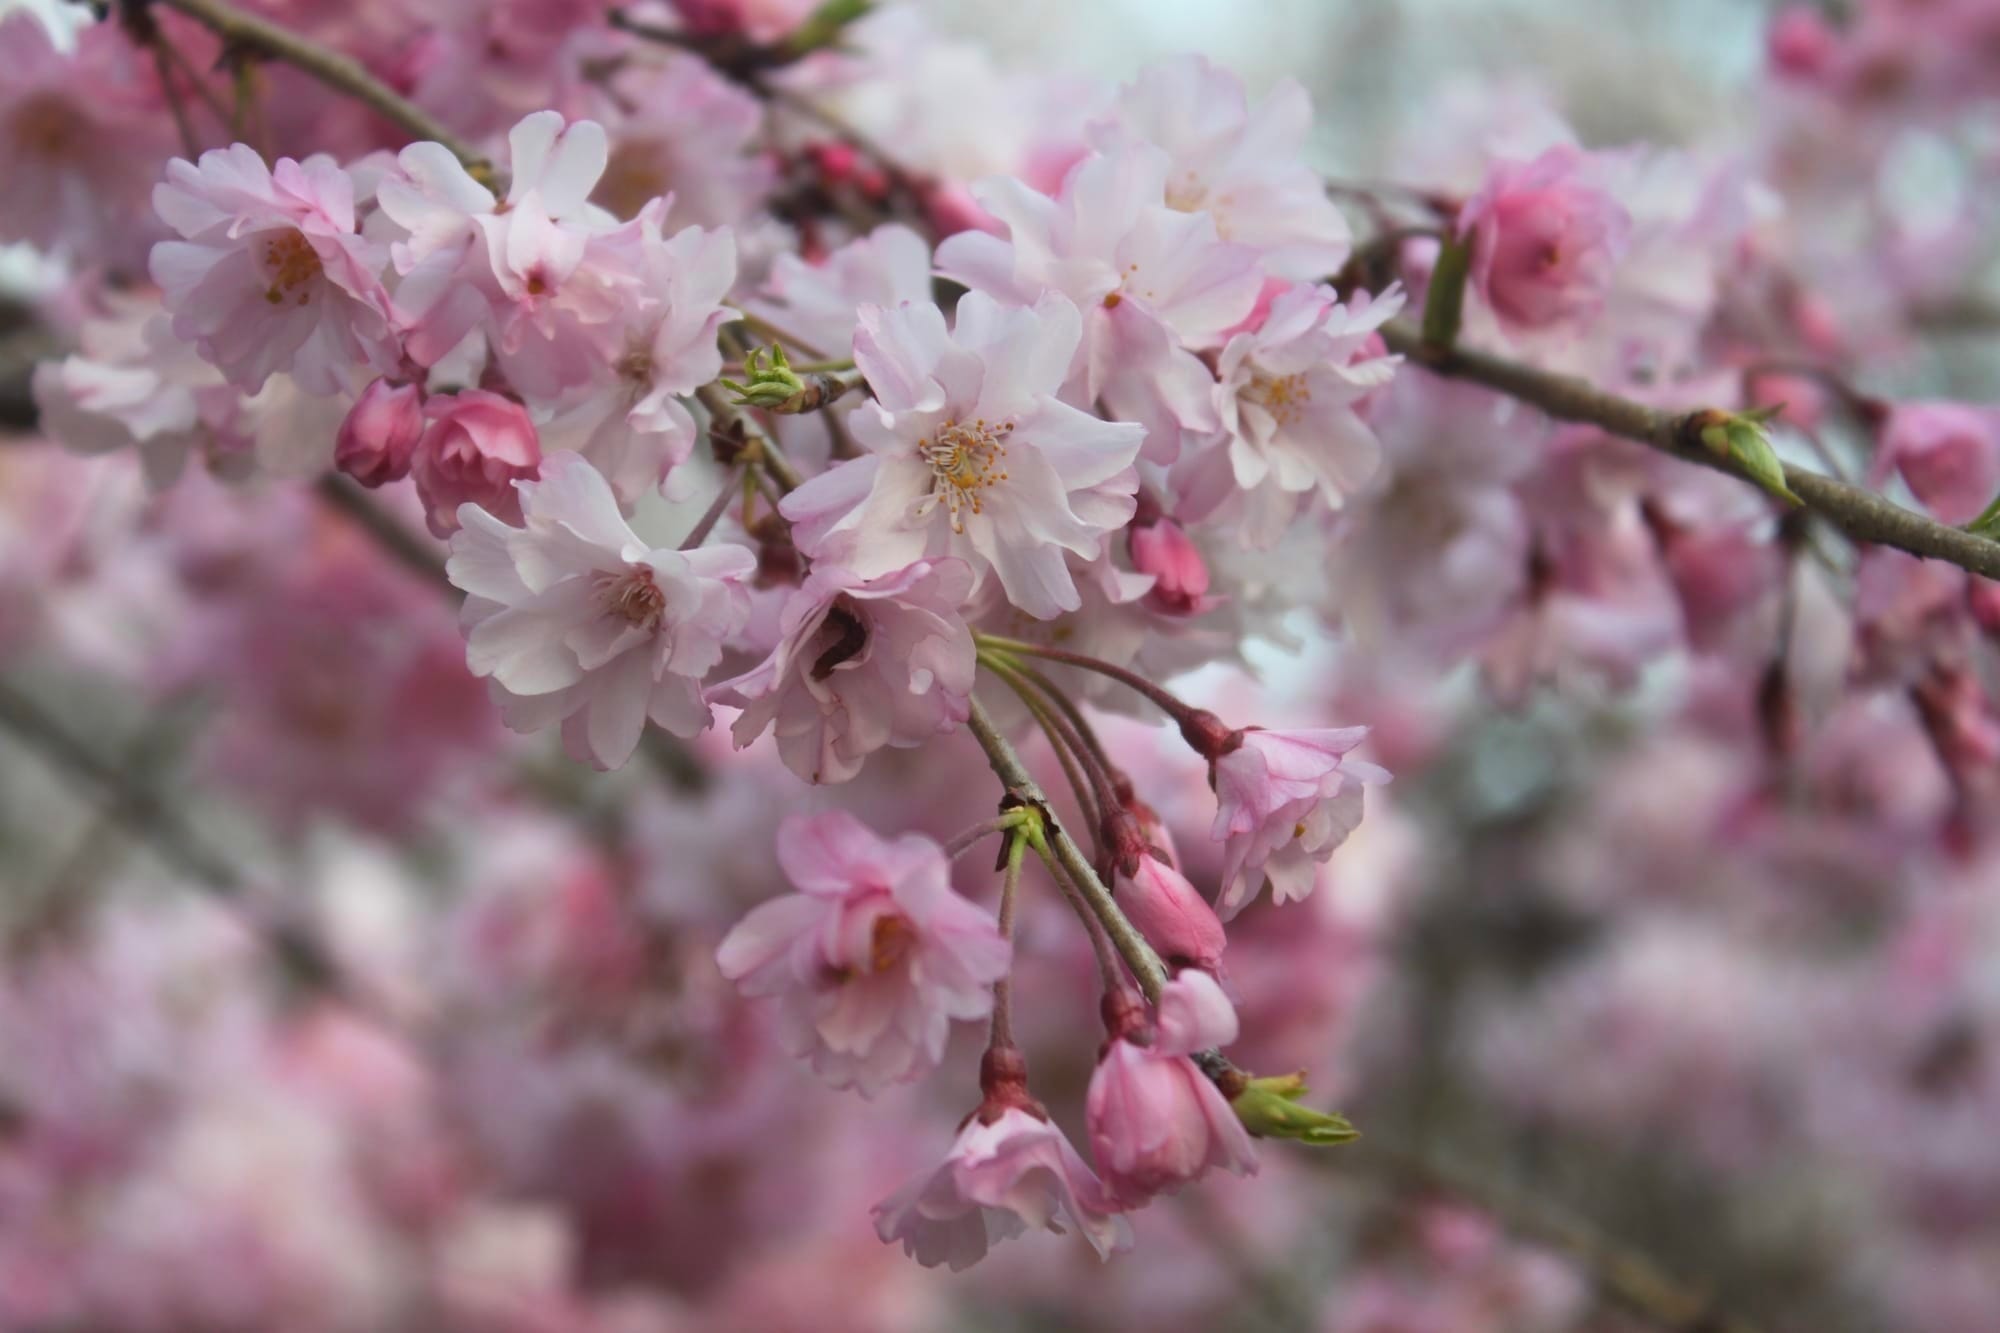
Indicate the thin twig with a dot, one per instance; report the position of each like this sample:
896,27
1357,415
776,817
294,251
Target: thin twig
1862,515
331,68
1007,766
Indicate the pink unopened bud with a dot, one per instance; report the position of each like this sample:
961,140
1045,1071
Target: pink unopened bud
952,209
478,445
1801,43
1180,575
1175,919
379,436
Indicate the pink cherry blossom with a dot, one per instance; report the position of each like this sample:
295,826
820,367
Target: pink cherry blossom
1284,801
821,303
1163,550
82,136
872,958
578,621
1175,919
1244,167
860,664
1545,239
272,275
1285,394
478,444
1002,1177
1948,453
1154,285
971,454
682,131
629,420
379,435
1157,1122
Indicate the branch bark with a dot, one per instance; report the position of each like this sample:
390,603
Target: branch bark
1863,515
331,68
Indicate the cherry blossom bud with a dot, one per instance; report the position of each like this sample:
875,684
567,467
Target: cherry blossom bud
1948,453
378,438
1270,1109
1156,1120
1175,919
478,445
1180,575
1801,43
1544,241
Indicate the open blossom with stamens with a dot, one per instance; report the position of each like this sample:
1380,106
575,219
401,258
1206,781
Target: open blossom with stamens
1155,285
578,621
1284,801
1245,167
1010,1169
1156,1121
271,275
1285,394
971,454
872,958
860,664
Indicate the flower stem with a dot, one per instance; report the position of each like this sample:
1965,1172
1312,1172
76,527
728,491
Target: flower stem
1010,885
986,828
1201,729
706,523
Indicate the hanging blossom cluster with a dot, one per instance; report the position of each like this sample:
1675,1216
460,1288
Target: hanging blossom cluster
990,444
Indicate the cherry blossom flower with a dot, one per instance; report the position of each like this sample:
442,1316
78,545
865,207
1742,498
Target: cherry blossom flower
821,303
680,130
1948,453
478,444
861,663
1284,801
81,139
1245,168
1154,285
1008,1171
379,435
872,958
1544,239
631,423
1157,1121
272,275
578,621
1285,394
971,454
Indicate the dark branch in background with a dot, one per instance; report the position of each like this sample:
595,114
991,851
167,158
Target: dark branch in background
330,67
1863,515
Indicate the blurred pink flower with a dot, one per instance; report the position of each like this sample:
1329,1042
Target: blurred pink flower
378,437
1949,453
1544,240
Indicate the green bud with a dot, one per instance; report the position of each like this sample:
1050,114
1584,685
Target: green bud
1988,523
825,25
1270,1109
1742,438
768,379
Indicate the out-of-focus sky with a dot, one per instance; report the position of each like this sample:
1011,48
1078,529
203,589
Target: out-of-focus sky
1623,69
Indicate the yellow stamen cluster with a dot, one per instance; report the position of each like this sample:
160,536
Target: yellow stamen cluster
291,266
1283,396
965,459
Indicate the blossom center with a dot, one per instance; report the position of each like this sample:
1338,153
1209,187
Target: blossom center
47,127
291,267
889,942
1283,396
965,459
1186,193
635,598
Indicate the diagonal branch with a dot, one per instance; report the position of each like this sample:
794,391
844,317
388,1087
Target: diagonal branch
1863,515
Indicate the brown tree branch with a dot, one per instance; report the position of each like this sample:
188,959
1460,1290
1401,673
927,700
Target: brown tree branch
331,68
1863,515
